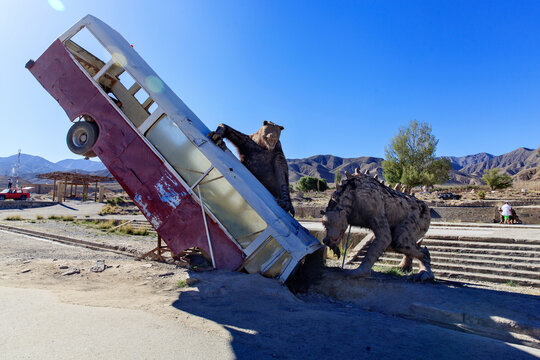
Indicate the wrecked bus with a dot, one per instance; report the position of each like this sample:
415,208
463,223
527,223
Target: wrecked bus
193,193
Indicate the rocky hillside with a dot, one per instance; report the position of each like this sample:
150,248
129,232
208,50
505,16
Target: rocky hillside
523,164
325,166
31,165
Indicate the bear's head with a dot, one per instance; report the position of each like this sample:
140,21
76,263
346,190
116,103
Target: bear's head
268,135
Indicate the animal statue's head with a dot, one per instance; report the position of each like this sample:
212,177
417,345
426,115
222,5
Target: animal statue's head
335,222
268,135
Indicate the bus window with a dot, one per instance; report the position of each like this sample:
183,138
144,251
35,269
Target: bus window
123,90
270,252
134,101
171,142
242,222
238,217
88,51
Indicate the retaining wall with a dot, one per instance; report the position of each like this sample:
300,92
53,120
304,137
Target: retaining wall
12,204
529,214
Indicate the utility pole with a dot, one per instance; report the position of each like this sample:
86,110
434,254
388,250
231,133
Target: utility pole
18,165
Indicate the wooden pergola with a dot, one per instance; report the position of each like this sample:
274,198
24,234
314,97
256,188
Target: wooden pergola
74,179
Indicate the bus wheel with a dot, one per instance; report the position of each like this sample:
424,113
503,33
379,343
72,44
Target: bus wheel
81,137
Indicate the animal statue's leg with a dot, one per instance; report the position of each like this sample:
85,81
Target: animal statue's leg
406,264
281,171
285,200
404,242
383,238
218,136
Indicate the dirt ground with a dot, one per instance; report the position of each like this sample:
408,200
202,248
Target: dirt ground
226,314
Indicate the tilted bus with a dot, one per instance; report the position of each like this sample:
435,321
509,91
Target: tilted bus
193,193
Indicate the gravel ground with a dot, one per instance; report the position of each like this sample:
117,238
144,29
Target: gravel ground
136,244
255,316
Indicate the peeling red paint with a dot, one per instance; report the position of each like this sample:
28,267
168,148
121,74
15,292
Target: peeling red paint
167,205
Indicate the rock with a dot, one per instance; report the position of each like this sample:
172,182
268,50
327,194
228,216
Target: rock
99,266
63,267
166,274
72,272
25,271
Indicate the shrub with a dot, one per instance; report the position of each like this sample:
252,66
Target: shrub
67,218
39,217
116,200
307,183
130,230
14,218
106,225
496,180
109,209
54,217
481,194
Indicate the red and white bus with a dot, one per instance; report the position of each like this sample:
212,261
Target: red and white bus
193,193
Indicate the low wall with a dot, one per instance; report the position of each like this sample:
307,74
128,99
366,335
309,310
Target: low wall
484,214
12,204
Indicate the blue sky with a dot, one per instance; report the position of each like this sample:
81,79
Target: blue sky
340,76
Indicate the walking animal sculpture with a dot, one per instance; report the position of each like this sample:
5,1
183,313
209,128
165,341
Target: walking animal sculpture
397,220
262,154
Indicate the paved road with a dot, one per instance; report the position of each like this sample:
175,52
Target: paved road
35,325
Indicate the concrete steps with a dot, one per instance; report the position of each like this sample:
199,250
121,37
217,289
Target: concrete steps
476,259
518,270
442,261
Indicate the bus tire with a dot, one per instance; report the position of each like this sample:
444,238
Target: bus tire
82,137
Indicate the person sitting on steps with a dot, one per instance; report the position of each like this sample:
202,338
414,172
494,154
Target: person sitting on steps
506,212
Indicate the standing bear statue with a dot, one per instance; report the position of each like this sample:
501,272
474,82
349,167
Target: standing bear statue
262,154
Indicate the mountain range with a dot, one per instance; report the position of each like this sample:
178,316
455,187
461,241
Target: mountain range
522,164
31,165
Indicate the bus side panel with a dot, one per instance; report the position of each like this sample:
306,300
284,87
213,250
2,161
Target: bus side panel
175,215
63,79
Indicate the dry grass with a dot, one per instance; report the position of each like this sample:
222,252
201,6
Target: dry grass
14,218
109,209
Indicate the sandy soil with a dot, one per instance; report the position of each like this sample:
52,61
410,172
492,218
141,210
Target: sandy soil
221,314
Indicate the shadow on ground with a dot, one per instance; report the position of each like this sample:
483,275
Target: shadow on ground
266,321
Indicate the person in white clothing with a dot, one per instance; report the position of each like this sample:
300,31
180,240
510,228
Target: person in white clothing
506,211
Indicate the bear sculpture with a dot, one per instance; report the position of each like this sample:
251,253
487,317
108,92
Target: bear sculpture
262,154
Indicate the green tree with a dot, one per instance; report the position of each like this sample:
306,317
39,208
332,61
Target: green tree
410,158
495,180
307,183
337,177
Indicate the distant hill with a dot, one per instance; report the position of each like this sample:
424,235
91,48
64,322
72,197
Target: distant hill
32,165
325,166
465,170
523,164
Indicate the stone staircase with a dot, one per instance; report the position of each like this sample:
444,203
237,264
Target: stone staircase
476,259
463,258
